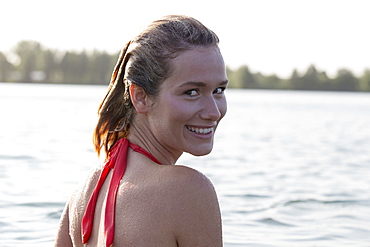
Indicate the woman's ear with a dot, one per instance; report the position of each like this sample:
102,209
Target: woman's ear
139,98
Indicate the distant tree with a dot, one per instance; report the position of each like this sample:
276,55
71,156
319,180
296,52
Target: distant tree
310,80
74,67
268,82
245,77
49,65
325,83
365,81
81,69
346,81
66,67
274,82
100,67
234,79
5,68
295,80
28,53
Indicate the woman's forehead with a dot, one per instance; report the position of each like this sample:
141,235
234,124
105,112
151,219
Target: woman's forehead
200,65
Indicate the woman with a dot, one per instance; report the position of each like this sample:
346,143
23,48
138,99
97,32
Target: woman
166,97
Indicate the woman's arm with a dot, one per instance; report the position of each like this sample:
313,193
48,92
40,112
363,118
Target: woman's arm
63,238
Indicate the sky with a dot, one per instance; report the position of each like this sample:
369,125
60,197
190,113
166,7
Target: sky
269,36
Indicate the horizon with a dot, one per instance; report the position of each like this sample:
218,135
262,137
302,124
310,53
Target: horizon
270,37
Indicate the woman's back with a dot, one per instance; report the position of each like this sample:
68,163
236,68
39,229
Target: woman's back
156,206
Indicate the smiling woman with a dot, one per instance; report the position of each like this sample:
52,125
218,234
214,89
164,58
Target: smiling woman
166,97
193,102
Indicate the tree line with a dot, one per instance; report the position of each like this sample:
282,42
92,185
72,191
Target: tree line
311,79
32,62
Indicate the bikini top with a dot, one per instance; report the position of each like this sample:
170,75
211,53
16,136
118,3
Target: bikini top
118,162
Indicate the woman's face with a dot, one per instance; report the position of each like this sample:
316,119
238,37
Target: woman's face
191,102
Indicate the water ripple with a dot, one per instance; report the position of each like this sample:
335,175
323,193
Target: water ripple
271,221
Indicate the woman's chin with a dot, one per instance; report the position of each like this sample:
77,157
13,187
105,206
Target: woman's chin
200,152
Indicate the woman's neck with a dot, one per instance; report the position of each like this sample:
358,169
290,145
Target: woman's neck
143,137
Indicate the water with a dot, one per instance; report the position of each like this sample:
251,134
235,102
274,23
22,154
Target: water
290,168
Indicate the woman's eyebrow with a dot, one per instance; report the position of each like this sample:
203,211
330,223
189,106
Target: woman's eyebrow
224,82
193,83
200,84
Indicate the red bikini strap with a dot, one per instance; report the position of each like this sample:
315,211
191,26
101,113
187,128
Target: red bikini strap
141,150
118,155
88,218
110,208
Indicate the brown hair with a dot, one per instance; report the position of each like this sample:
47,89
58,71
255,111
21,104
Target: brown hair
147,57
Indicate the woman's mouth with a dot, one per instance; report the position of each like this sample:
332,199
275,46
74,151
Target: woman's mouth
202,131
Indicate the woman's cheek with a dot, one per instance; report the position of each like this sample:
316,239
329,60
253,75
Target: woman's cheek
223,107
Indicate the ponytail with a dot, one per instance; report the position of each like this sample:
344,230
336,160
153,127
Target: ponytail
116,110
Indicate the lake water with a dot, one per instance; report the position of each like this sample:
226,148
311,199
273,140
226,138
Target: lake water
290,168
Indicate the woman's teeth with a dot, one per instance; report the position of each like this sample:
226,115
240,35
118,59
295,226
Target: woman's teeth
200,130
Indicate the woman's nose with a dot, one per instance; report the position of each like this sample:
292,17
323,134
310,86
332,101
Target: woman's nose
210,109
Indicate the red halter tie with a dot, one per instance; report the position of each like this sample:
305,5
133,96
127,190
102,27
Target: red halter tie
118,162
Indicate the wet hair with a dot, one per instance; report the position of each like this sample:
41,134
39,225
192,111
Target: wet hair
145,61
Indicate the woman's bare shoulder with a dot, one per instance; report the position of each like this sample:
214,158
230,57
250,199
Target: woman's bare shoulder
185,178
85,188
194,208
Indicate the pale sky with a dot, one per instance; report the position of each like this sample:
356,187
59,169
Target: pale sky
270,36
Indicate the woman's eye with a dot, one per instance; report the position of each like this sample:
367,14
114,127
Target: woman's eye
192,92
219,90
